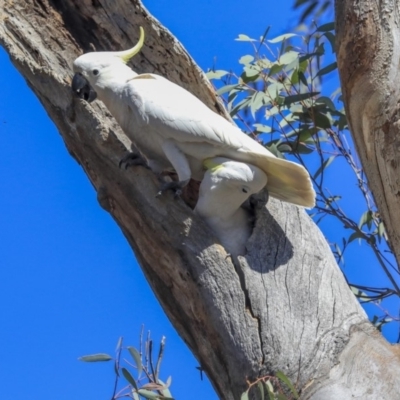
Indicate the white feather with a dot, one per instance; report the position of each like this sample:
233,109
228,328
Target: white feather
225,187
152,110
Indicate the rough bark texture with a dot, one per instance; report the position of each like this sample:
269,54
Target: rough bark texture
368,50
286,306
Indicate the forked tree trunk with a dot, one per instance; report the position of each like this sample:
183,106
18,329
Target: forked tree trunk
285,307
368,50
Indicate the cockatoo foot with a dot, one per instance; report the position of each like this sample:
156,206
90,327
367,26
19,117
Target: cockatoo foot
132,159
176,187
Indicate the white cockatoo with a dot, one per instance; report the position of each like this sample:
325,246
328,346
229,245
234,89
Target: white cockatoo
225,187
174,129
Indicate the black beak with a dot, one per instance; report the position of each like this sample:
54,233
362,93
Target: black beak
82,88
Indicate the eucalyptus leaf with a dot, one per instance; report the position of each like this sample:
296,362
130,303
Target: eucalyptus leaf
136,357
127,375
218,74
330,26
327,69
245,38
246,60
299,97
332,40
282,377
281,38
96,357
257,101
260,386
149,395
262,128
324,165
225,89
245,395
354,236
288,57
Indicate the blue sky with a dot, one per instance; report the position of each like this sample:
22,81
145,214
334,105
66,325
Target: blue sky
69,283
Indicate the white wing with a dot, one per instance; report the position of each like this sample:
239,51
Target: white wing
176,114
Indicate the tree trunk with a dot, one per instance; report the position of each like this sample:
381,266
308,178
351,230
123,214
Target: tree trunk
285,306
368,50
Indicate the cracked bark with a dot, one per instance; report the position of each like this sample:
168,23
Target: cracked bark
294,312
368,50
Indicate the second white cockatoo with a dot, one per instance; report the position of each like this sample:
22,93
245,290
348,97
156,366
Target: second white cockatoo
225,187
173,128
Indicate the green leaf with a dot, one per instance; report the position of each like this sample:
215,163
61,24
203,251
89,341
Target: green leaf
285,148
250,74
354,236
273,148
332,40
245,38
324,165
136,357
270,390
245,395
381,230
260,386
330,26
275,69
288,57
262,128
280,396
149,395
216,74
246,60
135,395
257,101
166,385
264,63
225,89
294,79
96,357
327,102
271,112
366,219
129,377
327,69
302,149
320,50
242,104
281,38
303,78
273,90
282,377
322,120
299,97
360,294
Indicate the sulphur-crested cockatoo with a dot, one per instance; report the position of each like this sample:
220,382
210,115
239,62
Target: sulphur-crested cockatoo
225,187
173,128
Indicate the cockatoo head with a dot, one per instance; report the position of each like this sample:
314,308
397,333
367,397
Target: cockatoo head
234,178
93,69
226,186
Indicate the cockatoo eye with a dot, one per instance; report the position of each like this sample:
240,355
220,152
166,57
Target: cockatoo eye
244,190
95,72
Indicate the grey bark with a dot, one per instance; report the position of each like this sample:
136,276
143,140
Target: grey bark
368,51
286,305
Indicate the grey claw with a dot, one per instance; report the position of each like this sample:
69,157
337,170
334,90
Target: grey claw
176,187
132,159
